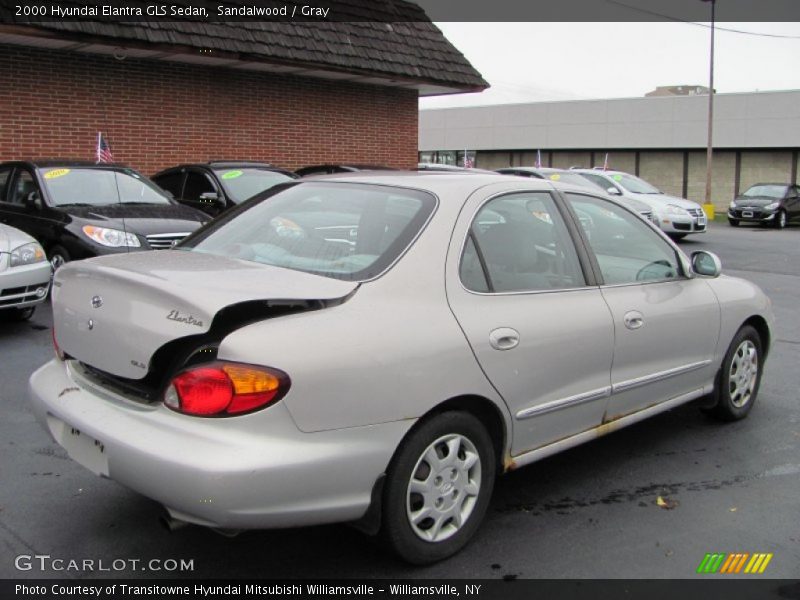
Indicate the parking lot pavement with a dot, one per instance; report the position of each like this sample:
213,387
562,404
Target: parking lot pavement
591,512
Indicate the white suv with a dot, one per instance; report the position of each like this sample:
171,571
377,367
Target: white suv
676,217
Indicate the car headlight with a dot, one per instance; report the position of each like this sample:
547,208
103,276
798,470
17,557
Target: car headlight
732,205
673,209
113,238
772,206
27,254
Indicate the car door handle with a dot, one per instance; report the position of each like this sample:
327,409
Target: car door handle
633,319
504,338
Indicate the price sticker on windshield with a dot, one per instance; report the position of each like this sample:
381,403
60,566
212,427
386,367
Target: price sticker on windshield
56,173
555,176
616,177
232,174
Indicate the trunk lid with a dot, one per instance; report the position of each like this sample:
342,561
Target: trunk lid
114,312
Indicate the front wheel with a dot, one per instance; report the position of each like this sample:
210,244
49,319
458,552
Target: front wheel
733,222
780,219
740,376
676,236
438,488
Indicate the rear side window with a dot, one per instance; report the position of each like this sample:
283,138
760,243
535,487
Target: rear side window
345,231
519,243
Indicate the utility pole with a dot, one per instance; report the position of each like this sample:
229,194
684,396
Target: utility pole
709,203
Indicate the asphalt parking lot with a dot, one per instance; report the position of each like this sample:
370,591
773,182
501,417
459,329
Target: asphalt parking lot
590,512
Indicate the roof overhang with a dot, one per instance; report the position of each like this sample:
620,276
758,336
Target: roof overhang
122,49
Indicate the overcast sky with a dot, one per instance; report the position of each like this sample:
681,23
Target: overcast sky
536,62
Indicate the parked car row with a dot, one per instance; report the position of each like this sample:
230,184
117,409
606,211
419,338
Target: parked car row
79,209
214,378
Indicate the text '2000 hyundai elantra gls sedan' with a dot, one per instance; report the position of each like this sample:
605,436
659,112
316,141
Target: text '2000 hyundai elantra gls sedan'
376,348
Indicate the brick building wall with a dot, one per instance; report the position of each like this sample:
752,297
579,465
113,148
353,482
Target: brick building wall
158,114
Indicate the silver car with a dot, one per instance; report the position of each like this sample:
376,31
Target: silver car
677,217
24,273
377,347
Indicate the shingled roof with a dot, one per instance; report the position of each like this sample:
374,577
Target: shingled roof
388,42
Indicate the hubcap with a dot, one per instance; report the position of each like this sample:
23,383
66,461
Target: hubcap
743,374
781,219
444,487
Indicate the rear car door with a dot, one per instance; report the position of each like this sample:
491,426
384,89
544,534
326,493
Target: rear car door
537,325
666,323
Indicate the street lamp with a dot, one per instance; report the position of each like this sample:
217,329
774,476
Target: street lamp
708,206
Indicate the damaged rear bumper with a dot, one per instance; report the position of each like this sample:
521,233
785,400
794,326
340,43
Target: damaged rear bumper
247,472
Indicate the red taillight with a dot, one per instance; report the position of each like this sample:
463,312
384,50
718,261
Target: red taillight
224,389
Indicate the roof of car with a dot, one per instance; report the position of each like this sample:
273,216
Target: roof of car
45,163
228,164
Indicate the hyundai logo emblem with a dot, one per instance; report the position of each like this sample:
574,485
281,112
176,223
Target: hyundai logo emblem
97,302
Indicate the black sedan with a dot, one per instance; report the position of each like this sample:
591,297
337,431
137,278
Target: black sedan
216,186
776,204
79,209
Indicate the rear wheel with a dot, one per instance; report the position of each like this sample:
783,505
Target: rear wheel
733,222
780,219
438,488
740,376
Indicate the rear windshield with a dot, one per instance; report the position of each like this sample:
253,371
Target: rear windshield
242,184
69,186
340,230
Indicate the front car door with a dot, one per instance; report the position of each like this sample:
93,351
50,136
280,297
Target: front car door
666,322
535,321
23,206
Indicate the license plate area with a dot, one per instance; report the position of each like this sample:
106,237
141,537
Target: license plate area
747,213
82,448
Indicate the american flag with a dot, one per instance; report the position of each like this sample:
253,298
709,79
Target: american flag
103,150
468,162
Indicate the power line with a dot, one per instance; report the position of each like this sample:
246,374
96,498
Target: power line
717,27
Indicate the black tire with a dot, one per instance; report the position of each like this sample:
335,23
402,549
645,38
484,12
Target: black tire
676,236
455,484
780,219
733,222
58,256
734,402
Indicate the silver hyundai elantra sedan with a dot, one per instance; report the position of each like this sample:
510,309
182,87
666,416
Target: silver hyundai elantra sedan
377,347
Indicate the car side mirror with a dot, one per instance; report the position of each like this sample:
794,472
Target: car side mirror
211,198
614,191
33,200
706,263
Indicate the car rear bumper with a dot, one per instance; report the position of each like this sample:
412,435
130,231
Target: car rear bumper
24,286
247,472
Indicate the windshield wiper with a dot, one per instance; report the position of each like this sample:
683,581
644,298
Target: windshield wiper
75,204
